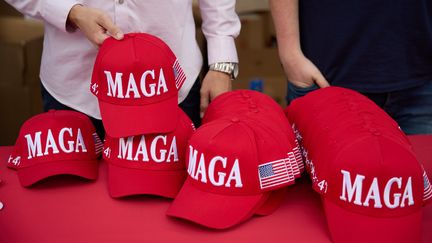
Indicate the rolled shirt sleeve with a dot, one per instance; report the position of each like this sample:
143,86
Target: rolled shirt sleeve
54,12
220,26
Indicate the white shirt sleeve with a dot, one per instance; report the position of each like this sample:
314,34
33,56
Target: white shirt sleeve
54,12
220,26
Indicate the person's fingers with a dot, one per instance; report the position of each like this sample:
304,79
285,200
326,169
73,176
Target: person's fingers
100,37
303,84
204,102
111,28
321,81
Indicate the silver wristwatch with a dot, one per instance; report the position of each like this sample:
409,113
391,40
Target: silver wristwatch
230,68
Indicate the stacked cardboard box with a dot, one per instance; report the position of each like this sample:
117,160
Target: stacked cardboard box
20,54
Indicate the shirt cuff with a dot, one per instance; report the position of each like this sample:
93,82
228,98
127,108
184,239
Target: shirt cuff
221,49
56,12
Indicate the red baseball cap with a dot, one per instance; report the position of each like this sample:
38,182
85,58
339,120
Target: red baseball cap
262,108
371,184
53,143
233,166
136,81
148,164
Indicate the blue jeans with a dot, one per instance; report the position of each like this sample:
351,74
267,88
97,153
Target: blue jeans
410,108
191,106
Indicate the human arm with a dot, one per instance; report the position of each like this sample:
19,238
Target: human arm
213,84
299,70
221,26
52,12
92,22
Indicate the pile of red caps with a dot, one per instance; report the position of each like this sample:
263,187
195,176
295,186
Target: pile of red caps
362,164
239,161
136,81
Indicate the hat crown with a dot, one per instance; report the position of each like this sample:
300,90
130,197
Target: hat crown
137,78
213,162
154,151
139,69
55,143
55,135
236,156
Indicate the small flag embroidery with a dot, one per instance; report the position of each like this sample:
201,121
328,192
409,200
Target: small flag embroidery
298,156
427,187
273,173
291,164
179,75
98,144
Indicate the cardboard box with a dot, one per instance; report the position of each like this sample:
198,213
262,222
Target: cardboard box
248,6
262,64
21,44
8,10
269,30
252,32
264,61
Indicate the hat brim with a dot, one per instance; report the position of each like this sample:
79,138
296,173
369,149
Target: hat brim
212,210
124,121
85,168
273,202
346,226
123,181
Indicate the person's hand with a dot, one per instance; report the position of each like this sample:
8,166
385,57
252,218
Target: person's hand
94,24
214,84
302,73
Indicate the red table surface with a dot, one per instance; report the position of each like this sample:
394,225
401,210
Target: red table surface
71,209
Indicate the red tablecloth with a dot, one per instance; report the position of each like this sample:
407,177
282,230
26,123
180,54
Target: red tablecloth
70,209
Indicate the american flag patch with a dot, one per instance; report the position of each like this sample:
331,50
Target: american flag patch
273,173
98,144
179,75
427,187
291,164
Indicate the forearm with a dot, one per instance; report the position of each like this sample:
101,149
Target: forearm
299,70
286,20
221,26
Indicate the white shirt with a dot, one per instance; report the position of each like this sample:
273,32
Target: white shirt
68,57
